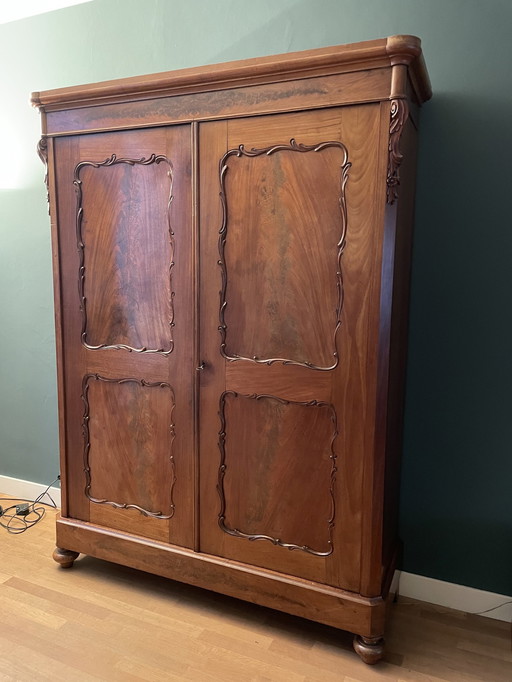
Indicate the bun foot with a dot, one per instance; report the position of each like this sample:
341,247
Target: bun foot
64,557
369,649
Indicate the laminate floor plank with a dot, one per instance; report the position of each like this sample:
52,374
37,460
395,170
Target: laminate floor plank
99,622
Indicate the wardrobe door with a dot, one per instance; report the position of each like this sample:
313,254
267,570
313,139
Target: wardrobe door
289,205
126,315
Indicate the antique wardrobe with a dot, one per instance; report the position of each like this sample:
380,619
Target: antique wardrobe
231,256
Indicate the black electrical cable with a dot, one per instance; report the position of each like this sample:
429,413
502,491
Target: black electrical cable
16,522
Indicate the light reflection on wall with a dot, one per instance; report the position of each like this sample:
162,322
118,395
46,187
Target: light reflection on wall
12,11
14,156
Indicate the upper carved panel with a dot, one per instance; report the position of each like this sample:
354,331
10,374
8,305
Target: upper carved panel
281,243
126,247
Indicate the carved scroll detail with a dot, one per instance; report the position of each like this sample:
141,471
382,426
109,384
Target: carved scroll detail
223,232
42,151
81,250
87,444
223,466
398,116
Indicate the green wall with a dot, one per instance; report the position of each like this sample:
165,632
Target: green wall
456,503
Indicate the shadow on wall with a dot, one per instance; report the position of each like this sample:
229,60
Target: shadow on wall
437,545
457,468
288,31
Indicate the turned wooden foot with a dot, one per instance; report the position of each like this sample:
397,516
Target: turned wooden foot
369,649
64,557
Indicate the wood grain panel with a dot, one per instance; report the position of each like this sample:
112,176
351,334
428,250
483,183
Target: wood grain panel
218,104
261,441
369,57
298,383
128,444
217,373
354,387
327,127
130,521
282,240
289,382
398,298
126,245
66,155
149,280
50,179
230,316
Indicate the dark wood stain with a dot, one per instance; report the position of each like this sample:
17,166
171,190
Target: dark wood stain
231,254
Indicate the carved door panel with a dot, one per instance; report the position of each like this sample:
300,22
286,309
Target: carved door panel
125,245
287,208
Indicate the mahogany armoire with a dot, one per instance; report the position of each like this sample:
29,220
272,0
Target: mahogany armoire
231,250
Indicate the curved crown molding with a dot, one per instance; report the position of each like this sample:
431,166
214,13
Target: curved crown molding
381,53
77,182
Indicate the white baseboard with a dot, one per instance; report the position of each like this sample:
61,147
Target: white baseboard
454,596
450,595
16,487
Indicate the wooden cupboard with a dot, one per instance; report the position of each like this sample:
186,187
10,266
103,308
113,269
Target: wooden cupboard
231,255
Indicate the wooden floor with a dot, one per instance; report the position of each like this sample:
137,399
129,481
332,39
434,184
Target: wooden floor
99,621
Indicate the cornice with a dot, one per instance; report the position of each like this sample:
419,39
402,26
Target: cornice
382,53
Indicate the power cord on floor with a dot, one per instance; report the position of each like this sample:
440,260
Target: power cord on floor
493,608
18,518
470,613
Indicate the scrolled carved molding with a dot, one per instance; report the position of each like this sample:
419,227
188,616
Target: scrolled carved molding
399,113
113,160
42,151
236,532
87,444
293,146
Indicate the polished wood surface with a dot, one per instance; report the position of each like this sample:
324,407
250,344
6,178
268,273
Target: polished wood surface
361,86
367,55
127,306
271,433
140,439
294,595
348,386
128,294
274,205
100,621
232,248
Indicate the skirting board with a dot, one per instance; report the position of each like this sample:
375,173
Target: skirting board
413,586
454,596
16,487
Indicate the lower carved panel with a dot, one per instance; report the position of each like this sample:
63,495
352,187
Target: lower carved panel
128,439
278,471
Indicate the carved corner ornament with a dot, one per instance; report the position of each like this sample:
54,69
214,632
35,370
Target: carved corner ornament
42,151
398,116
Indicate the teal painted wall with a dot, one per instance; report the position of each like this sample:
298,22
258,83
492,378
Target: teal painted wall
457,472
